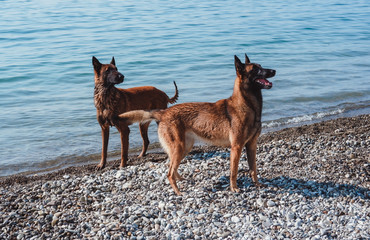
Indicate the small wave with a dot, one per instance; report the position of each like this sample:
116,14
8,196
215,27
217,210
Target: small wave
302,119
312,117
341,110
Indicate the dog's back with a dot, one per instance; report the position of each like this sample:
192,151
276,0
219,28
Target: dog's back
146,97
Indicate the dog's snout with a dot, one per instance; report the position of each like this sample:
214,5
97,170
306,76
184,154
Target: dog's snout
271,73
121,76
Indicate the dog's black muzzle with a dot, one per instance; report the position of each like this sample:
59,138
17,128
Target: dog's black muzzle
262,81
118,78
270,73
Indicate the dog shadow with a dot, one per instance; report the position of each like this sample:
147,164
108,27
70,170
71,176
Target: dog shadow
308,189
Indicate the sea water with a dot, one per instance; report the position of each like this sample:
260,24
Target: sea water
320,50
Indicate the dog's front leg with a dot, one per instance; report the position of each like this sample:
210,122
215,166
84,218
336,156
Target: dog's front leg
234,164
251,149
124,131
105,139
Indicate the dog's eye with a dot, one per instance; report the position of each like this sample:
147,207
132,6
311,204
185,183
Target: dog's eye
258,71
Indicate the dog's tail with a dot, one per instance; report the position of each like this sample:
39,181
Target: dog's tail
141,116
174,98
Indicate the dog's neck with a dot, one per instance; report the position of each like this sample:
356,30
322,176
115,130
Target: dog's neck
105,96
105,100
247,97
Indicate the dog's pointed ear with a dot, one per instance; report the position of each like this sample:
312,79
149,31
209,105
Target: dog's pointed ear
113,62
239,66
96,64
247,59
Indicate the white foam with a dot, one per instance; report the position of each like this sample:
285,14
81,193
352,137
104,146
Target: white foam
302,119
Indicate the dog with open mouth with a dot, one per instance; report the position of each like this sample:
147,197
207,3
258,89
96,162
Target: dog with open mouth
234,122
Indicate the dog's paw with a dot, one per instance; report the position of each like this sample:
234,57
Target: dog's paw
235,189
99,167
178,193
260,185
121,167
141,155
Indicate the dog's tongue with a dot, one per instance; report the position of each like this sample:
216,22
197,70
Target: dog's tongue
265,83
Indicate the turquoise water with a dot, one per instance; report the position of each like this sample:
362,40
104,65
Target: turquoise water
321,51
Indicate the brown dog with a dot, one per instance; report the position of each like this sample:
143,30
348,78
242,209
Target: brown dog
111,101
233,122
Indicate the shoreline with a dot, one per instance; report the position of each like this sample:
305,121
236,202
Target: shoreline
155,148
317,186
60,163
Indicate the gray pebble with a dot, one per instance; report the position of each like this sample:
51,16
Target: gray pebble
317,188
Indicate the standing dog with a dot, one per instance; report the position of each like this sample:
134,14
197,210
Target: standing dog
111,101
234,122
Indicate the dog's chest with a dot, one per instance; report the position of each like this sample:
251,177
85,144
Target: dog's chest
106,103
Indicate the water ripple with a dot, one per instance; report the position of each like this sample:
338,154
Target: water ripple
320,52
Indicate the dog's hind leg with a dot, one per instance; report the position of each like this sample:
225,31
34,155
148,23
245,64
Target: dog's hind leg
173,175
105,139
189,142
173,142
144,135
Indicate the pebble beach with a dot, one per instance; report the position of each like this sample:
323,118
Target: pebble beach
316,177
